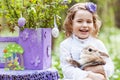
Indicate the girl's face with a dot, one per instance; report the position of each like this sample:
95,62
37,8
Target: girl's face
82,24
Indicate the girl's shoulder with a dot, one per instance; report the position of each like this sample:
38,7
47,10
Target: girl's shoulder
66,42
99,45
97,40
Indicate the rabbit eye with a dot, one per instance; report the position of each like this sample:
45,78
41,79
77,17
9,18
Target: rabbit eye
90,50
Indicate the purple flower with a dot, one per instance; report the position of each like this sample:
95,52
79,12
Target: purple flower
91,7
21,22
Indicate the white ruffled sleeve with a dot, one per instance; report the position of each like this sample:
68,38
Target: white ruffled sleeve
69,71
109,66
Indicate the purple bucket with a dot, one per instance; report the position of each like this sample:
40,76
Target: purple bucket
37,47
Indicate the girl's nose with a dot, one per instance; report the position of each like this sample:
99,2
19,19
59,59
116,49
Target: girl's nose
84,24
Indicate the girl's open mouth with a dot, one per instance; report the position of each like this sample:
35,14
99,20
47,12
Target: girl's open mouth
84,30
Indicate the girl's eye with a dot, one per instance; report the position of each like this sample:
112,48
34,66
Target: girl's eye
89,21
79,21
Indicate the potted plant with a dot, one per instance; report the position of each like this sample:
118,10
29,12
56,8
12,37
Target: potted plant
35,18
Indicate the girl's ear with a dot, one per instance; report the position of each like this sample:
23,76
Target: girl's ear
103,54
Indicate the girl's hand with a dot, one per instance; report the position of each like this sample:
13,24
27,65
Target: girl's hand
96,69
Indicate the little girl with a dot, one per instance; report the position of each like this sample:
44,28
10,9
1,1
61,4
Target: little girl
81,27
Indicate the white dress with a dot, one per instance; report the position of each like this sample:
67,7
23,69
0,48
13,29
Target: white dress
71,47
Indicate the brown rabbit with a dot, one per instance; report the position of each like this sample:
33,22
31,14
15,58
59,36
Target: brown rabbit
89,57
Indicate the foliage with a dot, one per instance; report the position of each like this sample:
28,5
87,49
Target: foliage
38,13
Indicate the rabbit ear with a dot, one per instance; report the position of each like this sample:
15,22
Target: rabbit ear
103,54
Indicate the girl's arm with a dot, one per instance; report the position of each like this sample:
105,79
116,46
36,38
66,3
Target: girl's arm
109,67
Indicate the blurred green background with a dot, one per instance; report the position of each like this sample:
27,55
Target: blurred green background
108,11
